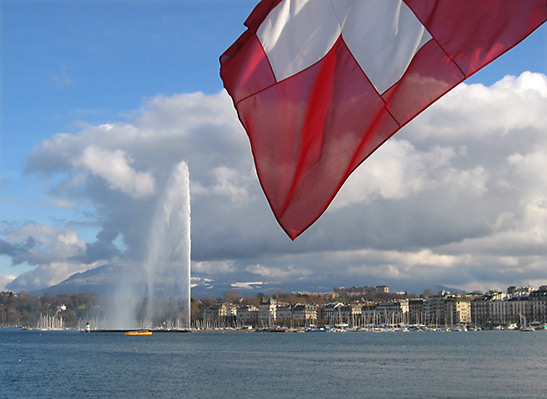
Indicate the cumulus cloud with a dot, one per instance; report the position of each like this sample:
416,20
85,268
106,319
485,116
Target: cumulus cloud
213,267
46,275
277,273
37,244
114,167
458,197
54,251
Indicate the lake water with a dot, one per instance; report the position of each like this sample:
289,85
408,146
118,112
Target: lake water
486,364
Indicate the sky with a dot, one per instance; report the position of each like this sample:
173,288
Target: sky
101,99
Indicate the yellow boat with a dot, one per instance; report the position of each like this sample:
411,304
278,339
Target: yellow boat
140,332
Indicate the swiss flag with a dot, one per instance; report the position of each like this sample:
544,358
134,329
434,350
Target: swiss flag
319,85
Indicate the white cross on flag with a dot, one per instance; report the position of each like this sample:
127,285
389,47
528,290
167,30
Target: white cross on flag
319,85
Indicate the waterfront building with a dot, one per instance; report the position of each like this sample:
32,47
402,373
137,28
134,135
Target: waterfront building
283,313
434,309
537,301
351,314
498,312
267,312
368,314
492,310
482,308
416,311
393,312
332,313
304,314
247,315
514,291
517,309
497,309
457,310
221,315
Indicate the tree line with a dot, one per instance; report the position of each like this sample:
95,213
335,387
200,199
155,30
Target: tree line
24,309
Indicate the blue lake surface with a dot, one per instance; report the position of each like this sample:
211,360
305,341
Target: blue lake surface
68,364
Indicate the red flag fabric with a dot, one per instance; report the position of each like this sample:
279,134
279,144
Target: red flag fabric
319,85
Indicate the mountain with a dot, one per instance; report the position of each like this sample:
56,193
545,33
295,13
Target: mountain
105,280
101,280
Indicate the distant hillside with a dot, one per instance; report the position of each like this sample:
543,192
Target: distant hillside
104,280
101,280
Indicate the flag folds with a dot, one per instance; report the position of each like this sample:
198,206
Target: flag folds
319,85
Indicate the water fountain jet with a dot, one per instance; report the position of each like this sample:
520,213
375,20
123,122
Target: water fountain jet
169,248
160,289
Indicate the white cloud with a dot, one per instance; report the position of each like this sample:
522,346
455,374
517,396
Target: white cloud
228,183
56,253
456,198
213,267
530,166
114,167
472,113
61,203
39,243
45,276
279,272
399,170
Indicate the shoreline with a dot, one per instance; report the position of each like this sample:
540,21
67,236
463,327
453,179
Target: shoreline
271,330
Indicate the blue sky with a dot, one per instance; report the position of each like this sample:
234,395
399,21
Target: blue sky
68,63
71,66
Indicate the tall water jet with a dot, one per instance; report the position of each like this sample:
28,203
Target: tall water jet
126,298
155,293
168,265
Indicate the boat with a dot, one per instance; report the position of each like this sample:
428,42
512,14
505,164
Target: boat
525,327
139,332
